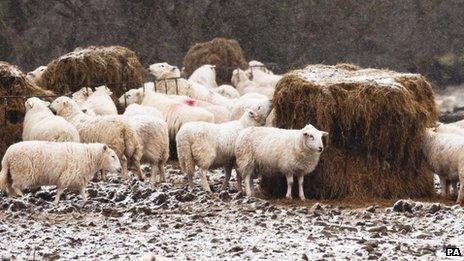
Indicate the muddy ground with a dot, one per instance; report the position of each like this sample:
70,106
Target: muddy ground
124,220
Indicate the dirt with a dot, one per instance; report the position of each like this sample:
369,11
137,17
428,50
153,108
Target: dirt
125,220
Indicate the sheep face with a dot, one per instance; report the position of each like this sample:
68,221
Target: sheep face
82,94
35,102
131,97
110,161
37,72
313,138
238,76
63,105
164,70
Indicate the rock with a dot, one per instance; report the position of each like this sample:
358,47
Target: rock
434,208
224,195
402,206
371,209
380,229
161,198
317,207
236,249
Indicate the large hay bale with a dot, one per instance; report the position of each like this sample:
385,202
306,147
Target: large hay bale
226,54
13,82
375,118
116,67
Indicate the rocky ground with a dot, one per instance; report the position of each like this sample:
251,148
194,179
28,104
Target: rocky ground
126,220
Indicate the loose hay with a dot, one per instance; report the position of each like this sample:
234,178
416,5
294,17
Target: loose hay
116,67
13,82
375,119
226,54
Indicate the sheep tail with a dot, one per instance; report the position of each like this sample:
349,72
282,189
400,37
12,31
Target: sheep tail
5,177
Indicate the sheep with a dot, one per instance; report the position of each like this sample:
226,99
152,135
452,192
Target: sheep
137,109
244,85
444,153
82,95
205,75
31,164
36,75
100,102
271,150
221,114
112,130
247,101
446,104
153,132
164,70
449,128
227,91
265,79
254,65
41,124
211,146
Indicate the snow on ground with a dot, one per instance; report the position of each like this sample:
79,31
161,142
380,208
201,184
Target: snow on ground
124,220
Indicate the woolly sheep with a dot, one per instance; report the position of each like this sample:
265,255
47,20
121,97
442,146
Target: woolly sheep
100,102
36,75
449,128
244,85
164,70
248,101
137,109
227,91
112,130
41,124
254,65
205,75
211,146
175,113
153,132
31,164
221,114
446,104
265,79
291,152
82,95
445,155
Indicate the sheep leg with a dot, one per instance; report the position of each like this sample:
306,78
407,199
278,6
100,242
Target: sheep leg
17,191
103,175
227,172
138,170
460,198
455,187
204,180
448,187
124,168
83,194
161,172
248,184
443,186
153,173
239,181
59,191
300,187
289,186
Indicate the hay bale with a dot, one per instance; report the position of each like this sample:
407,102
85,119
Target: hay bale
375,118
226,54
13,82
116,67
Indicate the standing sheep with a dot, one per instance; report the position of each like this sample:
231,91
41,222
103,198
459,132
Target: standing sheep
82,95
112,130
221,114
244,85
444,152
41,124
211,146
205,75
154,135
100,102
271,150
32,164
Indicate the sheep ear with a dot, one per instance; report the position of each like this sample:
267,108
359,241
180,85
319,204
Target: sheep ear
105,148
325,134
47,103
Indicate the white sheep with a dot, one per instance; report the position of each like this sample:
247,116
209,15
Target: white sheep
271,150
265,79
227,91
31,164
41,124
153,132
36,75
444,152
137,109
175,113
446,104
244,85
254,65
112,130
82,95
449,128
205,75
211,146
247,101
221,114
100,102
